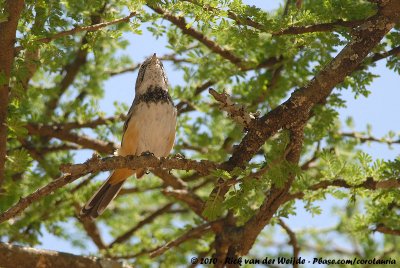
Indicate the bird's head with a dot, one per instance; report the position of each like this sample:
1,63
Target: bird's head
151,74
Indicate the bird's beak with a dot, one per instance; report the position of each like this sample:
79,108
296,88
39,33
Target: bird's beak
153,59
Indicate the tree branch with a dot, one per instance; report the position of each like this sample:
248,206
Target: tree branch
369,184
78,29
323,27
95,164
298,106
192,200
8,31
90,124
17,256
292,241
364,139
150,218
180,22
232,15
274,197
191,234
169,57
90,227
65,135
386,230
237,112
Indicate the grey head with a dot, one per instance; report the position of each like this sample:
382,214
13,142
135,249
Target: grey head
151,74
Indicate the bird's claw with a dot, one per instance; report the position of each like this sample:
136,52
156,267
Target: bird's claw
147,153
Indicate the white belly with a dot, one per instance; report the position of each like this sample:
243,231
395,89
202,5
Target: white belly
156,123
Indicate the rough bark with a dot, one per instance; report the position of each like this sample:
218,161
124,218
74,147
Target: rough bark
298,106
8,31
12,256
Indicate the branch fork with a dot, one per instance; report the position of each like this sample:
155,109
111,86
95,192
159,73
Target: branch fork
237,112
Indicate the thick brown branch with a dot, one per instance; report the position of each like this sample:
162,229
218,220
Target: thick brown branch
8,29
298,106
17,256
386,230
274,197
90,28
95,164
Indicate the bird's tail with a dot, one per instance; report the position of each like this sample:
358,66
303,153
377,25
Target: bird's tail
107,192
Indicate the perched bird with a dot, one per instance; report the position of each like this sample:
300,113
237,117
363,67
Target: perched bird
149,127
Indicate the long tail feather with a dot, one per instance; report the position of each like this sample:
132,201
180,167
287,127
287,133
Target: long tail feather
107,192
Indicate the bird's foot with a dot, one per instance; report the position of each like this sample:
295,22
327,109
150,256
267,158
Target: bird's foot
147,153
179,156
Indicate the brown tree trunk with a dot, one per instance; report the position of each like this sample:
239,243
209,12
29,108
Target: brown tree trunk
8,31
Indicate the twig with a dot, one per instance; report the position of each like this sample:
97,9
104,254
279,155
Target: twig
323,27
393,52
169,179
134,190
236,112
90,227
292,241
364,139
168,57
191,234
90,124
79,29
125,236
180,22
188,197
72,68
369,184
232,15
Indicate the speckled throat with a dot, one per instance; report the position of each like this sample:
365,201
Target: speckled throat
154,94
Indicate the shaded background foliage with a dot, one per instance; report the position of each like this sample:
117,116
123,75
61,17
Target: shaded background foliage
241,48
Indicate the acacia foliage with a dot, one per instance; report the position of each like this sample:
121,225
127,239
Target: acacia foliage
261,57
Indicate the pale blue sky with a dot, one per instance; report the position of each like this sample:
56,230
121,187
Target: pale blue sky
381,109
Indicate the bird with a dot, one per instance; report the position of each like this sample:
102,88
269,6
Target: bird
150,127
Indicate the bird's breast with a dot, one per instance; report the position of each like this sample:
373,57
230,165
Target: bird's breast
155,123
